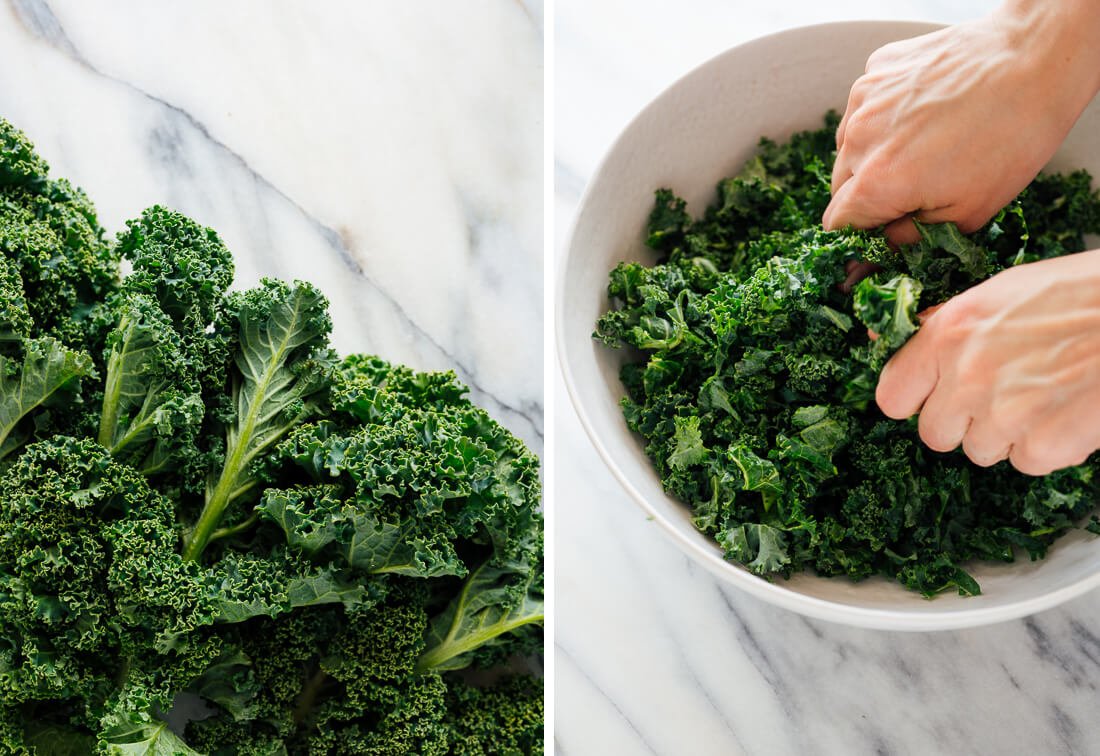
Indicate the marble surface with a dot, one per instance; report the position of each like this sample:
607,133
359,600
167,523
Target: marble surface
654,655
391,153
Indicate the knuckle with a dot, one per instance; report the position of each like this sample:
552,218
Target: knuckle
970,220
972,368
1017,411
955,320
888,171
880,56
859,130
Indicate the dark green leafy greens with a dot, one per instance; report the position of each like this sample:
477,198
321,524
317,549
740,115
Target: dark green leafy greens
199,498
751,377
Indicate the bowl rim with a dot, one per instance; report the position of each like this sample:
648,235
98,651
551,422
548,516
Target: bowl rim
770,591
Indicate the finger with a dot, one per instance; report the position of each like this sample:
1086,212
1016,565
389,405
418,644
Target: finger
880,56
1064,438
856,204
857,273
855,99
1030,460
928,312
903,231
841,128
909,377
985,444
943,421
842,170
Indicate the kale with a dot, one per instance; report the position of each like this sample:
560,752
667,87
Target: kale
751,377
199,498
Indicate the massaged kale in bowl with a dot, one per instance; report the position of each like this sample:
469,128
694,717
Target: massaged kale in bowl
754,382
747,380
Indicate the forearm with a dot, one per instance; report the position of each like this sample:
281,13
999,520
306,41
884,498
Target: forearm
1059,38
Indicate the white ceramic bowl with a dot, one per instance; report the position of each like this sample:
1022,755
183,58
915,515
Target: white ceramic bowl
697,132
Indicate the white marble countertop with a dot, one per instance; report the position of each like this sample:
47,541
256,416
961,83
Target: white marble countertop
391,153
653,654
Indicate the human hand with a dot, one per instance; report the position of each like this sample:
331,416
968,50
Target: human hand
1009,369
950,126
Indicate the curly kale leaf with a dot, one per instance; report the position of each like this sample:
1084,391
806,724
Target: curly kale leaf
72,566
422,470
49,231
168,351
144,739
186,270
246,586
888,309
506,717
282,365
759,547
329,682
47,376
314,520
151,410
15,318
495,602
20,165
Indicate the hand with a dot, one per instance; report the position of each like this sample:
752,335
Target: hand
950,126
1009,369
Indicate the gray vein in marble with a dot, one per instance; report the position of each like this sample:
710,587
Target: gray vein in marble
1086,641
560,654
706,693
812,627
1011,677
754,650
1067,730
166,148
535,10
39,20
1044,650
703,689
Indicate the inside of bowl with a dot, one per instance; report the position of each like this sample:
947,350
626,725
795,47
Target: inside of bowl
702,130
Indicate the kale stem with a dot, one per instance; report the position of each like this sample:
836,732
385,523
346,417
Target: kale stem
212,513
234,529
308,697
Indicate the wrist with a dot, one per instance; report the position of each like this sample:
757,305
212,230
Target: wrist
1057,40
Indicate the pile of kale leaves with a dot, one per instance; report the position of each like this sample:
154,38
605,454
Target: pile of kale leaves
200,500
753,386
